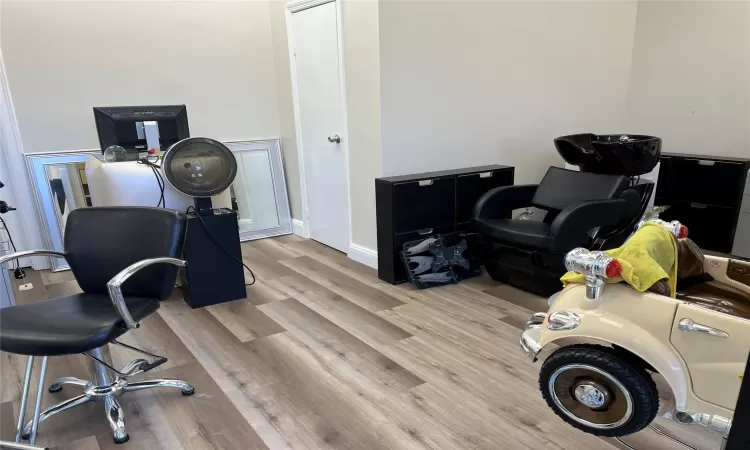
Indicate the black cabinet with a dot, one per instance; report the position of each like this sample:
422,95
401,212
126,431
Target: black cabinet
413,206
705,194
423,204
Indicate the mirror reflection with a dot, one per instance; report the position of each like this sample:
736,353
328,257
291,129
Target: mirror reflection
253,195
69,188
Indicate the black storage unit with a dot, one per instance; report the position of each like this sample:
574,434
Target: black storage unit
211,276
410,207
705,194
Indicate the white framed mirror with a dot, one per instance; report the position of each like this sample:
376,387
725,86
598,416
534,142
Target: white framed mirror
259,192
60,186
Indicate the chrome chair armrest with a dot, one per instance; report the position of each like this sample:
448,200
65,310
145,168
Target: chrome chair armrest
25,253
114,286
5,445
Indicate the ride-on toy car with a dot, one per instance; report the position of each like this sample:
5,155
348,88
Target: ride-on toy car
613,337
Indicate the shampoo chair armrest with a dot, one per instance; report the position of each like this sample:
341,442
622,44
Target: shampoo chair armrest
25,253
578,219
499,202
114,286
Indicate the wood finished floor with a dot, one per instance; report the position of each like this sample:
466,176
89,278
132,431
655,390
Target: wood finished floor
322,355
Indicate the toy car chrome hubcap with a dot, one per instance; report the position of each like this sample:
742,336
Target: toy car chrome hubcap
590,396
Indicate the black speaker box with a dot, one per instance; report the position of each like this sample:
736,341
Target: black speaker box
211,276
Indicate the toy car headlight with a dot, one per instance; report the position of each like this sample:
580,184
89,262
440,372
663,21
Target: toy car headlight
594,266
563,320
678,230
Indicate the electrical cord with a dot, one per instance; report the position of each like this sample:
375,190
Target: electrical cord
18,271
219,246
161,186
159,180
10,238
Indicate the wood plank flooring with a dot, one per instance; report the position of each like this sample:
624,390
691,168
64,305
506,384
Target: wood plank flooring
322,355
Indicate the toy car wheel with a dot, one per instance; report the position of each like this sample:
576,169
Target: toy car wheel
596,391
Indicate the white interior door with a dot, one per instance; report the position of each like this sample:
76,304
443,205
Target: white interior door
315,52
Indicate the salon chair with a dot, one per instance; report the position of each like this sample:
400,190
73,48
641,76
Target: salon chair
124,260
596,208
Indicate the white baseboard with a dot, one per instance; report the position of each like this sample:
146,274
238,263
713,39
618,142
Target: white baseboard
364,255
298,227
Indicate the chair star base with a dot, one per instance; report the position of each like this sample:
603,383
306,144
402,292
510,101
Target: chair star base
106,388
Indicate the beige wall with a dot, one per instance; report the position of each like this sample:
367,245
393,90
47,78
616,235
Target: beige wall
277,11
62,58
361,64
435,84
690,78
470,83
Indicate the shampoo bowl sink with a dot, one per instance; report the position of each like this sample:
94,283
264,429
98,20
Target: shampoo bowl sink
619,154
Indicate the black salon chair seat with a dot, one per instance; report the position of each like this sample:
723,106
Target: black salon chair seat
582,209
524,232
71,324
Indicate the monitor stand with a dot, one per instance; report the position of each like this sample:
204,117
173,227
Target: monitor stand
149,130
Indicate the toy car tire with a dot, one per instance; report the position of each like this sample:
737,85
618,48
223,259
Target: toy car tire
597,391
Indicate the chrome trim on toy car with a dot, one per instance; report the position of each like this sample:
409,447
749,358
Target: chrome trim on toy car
689,326
711,421
591,395
563,320
530,336
530,342
592,401
535,319
586,262
594,266
678,230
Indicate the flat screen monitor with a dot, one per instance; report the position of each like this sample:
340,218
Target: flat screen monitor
129,126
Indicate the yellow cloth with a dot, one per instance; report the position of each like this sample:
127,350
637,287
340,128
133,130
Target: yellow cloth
647,257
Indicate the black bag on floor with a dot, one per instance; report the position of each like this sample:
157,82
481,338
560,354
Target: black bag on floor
443,259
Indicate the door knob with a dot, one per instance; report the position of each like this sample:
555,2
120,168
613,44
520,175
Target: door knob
689,326
334,138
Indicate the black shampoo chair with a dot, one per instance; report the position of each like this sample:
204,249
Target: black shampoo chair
124,260
595,208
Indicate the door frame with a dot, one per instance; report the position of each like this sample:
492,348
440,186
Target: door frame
24,224
292,8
